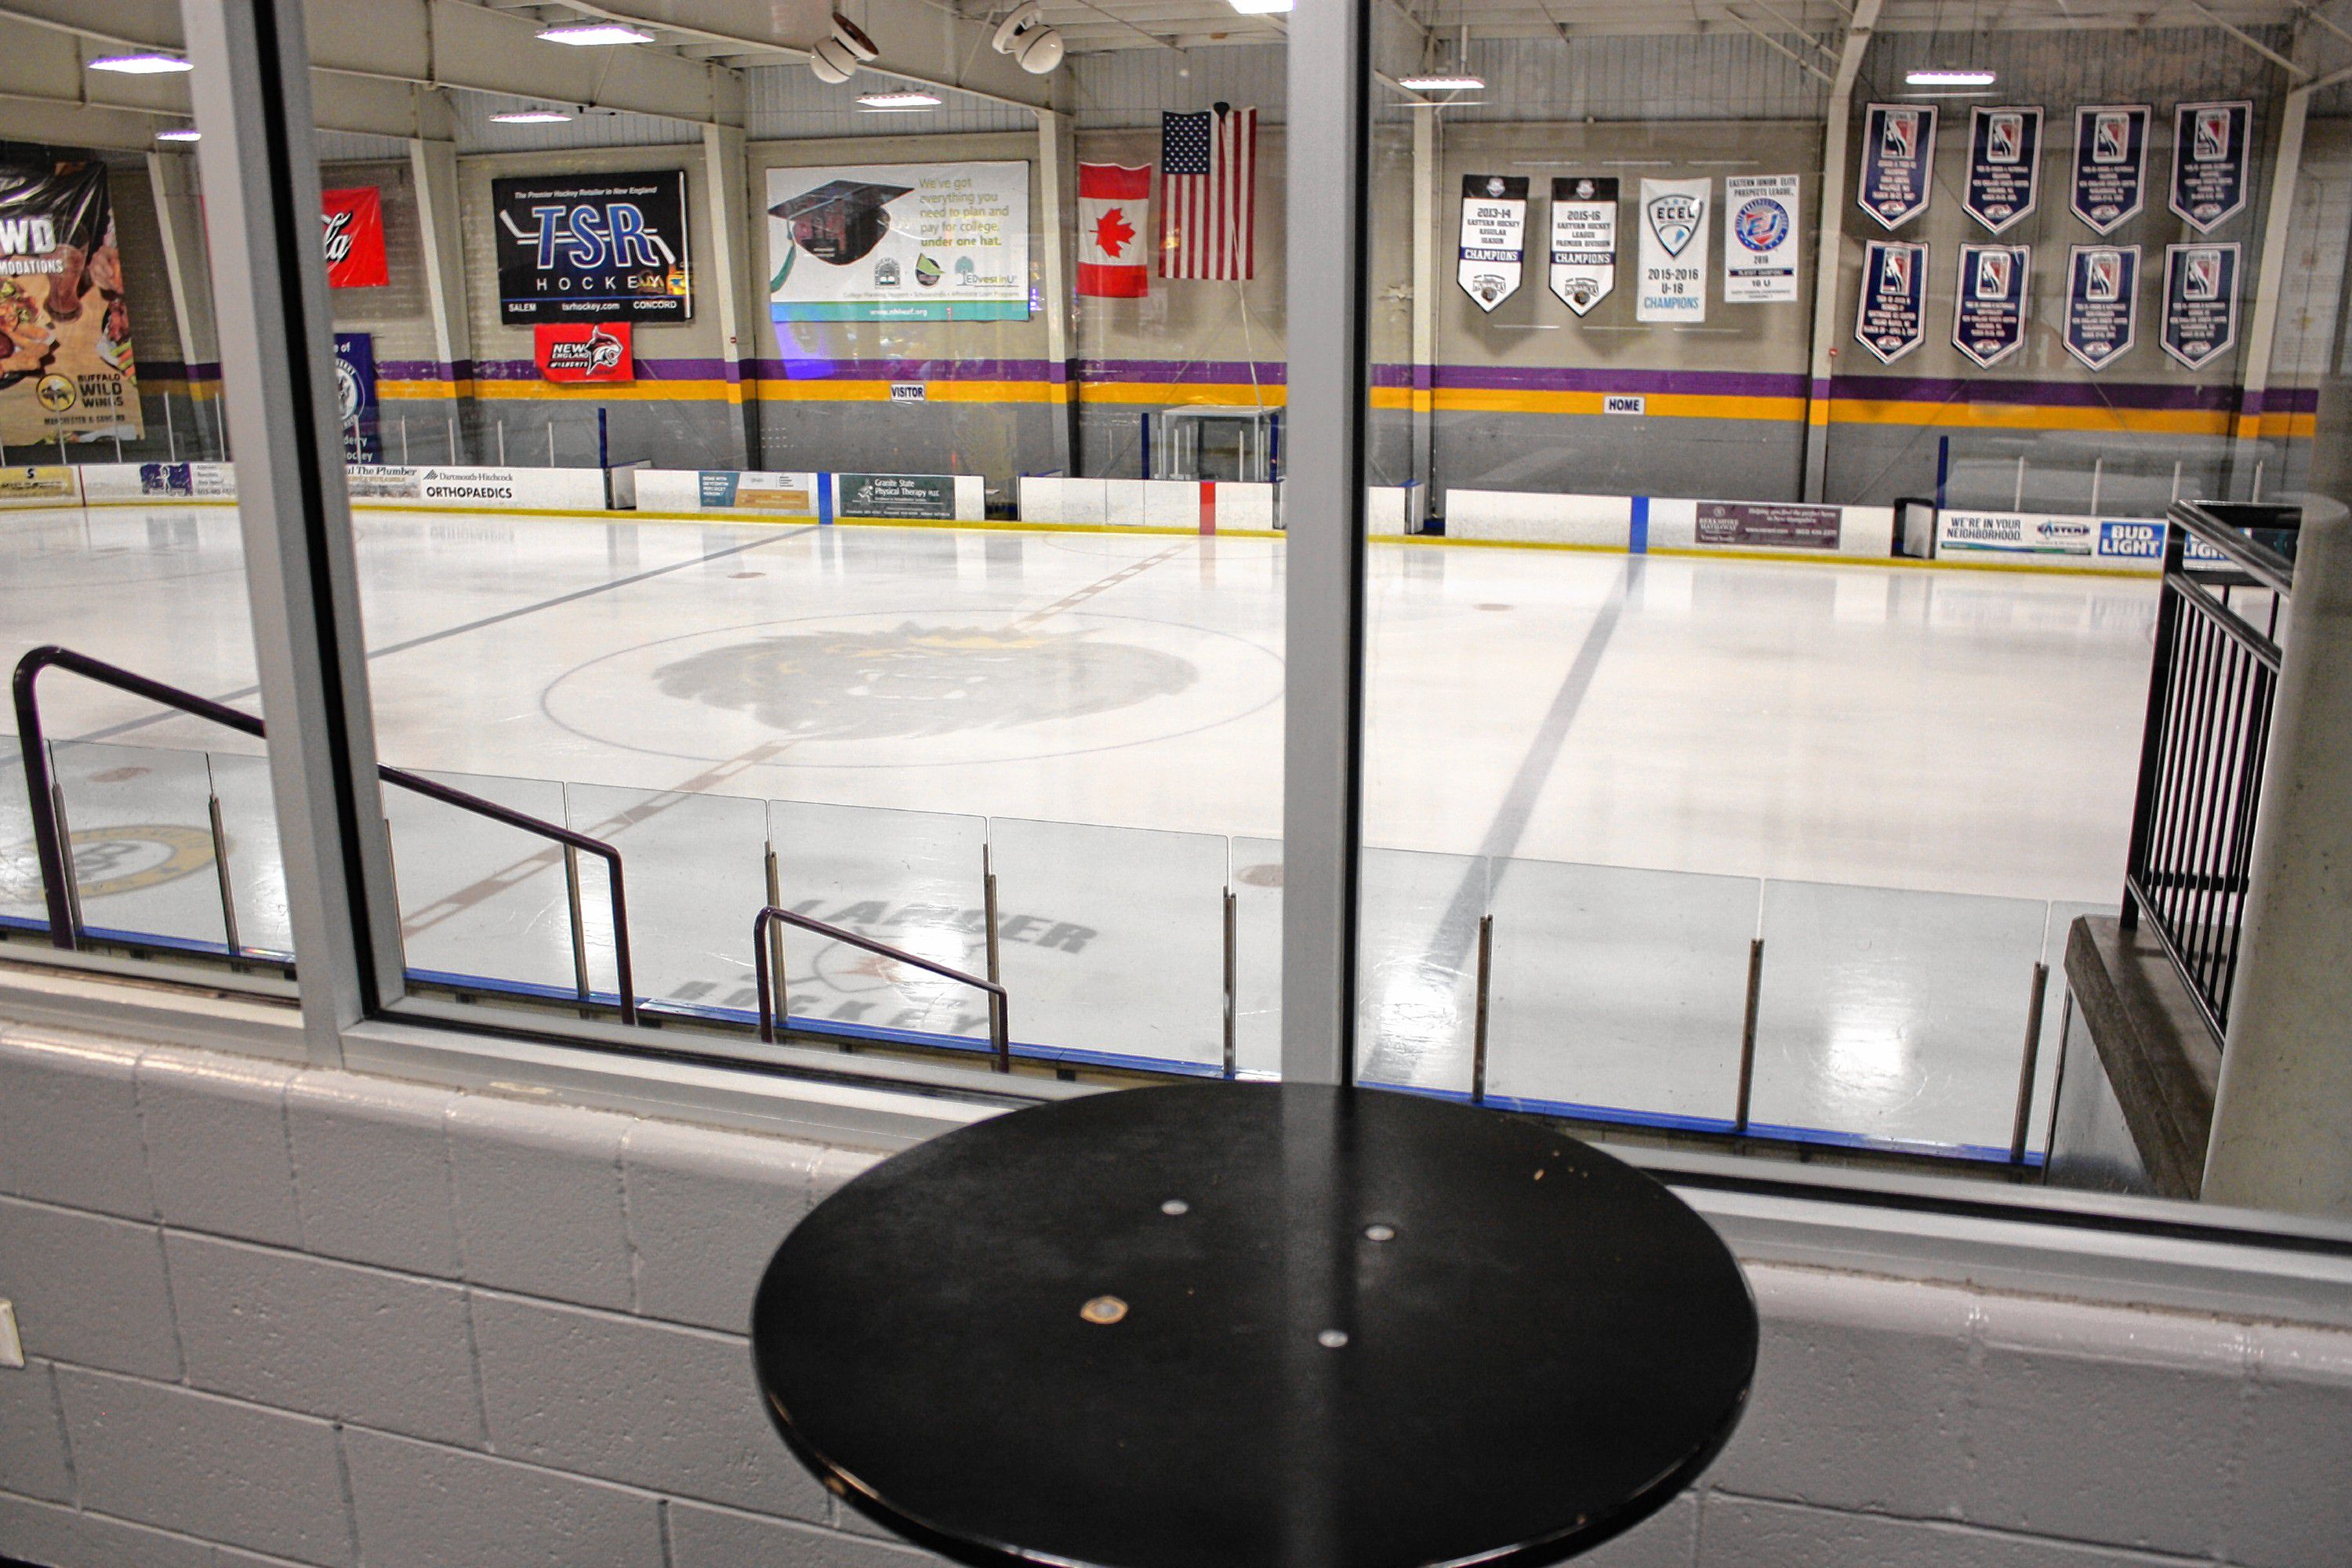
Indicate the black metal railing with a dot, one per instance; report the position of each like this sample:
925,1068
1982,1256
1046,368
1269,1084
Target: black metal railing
768,964
50,833
2210,692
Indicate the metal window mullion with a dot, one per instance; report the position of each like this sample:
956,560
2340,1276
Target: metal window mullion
1323,505
251,89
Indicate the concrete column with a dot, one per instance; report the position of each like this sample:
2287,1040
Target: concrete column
433,171
1056,182
2262,329
2282,1115
171,178
1830,246
725,184
1425,197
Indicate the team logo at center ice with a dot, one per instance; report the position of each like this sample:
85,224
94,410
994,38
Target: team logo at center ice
1760,225
1675,218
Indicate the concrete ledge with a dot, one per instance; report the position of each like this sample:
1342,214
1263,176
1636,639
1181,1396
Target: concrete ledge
2161,1059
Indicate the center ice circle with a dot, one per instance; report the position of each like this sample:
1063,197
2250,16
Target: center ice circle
896,689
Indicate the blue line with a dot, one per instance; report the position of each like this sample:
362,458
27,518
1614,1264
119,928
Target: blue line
1638,540
824,497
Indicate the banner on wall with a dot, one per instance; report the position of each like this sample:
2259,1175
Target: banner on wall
2004,164
2210,142
353,224
571,352
1493,237
1584,239
1114,210
355,397
1989,305
2110,165
1898,146
2200,302
592,248
1891,317
1674,221
66,365
1760,248
2101,303
899,242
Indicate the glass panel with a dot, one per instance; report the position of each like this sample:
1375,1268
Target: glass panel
20,869
140,827
910,878
257,873
1257,910
1622,991
694,869
1417,966
481,900
1112,941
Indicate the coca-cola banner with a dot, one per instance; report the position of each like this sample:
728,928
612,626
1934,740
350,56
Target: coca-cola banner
65,325
352,219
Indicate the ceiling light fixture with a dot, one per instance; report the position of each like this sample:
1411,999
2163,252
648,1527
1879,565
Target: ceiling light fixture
180,133
1444,81
1948,78
530,117
1260,7
1034,47
588,33
888,100
145,63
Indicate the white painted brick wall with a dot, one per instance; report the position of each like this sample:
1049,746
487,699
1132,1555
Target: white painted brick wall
276,1316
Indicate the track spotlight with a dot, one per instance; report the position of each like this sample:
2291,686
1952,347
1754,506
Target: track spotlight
836,59
1034,47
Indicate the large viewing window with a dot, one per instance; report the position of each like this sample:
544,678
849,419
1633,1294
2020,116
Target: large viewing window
779,540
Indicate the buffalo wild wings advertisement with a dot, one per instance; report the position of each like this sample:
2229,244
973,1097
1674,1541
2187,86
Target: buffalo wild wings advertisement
65,326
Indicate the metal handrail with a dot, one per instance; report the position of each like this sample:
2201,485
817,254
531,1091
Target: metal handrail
49,843
2267,566
1000,1007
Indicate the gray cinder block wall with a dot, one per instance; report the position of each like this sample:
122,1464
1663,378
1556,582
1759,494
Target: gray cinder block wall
283,1316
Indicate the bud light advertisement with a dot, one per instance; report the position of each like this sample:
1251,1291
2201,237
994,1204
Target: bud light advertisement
592,248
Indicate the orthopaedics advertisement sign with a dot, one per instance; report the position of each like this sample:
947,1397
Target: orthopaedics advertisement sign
899,242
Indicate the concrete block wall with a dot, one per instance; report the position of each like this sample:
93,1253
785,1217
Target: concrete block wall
283,1316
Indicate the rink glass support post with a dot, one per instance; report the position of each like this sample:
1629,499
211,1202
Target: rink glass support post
1748,1039
1233,983
988,912
2034,1002
250,86
1480,1015
1323,589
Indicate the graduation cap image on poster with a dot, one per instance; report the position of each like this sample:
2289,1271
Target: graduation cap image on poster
841,221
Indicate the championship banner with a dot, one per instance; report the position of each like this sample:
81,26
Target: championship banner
65,325
1493,237
2210,143
2200,302
1759,251
1891,317
1898,144
1989,306
355,397
2004,164
2101,303
1584,240
353,223
570,351
899,242
1114,258
1673,284
2110,165
592,248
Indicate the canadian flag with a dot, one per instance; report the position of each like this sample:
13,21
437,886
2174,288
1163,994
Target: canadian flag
1113,257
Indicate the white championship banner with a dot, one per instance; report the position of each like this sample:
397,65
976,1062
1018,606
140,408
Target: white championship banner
1673,221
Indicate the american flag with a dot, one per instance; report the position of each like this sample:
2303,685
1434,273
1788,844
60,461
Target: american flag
1208,194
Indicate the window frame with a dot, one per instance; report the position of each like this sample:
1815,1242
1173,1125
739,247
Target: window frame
251,86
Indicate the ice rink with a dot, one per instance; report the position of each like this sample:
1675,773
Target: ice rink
1905,780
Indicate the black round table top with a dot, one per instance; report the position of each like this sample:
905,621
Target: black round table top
1221,1325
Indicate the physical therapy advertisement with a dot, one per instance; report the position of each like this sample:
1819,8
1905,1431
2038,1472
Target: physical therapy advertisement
899,242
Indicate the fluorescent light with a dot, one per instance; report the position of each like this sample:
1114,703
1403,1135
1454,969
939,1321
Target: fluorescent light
1458,81
181,133
146,63
898,99
530,117
1259,7
586,33
1949,78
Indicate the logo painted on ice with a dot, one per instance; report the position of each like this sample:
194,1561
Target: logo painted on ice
1760,225
1674,218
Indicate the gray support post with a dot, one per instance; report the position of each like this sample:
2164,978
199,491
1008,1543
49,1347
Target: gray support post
433,172
2270,273
1425,199
2285,1093
251,89
1054,167
1830,250
726,179
167,182
1330,79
